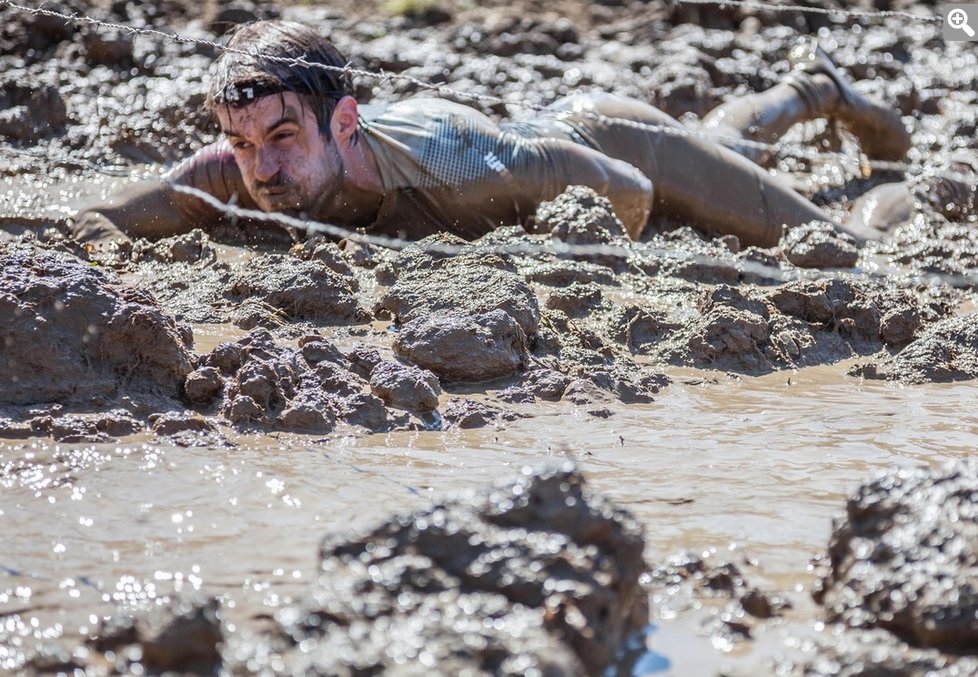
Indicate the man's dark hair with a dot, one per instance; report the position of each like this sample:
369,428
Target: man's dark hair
270,68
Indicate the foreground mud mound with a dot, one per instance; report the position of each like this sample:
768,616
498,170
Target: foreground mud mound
535,575
905,559
73,333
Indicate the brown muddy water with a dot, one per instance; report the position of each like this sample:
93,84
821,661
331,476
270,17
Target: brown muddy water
747,469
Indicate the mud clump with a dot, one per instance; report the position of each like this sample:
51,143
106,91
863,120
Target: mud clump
533,574
579,216
329,253
946,351
859,653
636,328
562,273
467,414
734,604
904,557
29,109
800,323
818,244
185,637
464,348
434,252
577,299
304,290
404,387
192,247
257,384
462,286
73,333
203,385
592,369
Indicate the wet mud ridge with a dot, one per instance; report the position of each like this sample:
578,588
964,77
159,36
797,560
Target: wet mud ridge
900,575
420,328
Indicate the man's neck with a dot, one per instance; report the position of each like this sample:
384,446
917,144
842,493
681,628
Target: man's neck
363,187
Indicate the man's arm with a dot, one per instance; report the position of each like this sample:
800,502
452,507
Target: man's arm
566,163
147,209
153,209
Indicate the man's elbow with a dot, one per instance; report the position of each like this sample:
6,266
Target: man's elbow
635,209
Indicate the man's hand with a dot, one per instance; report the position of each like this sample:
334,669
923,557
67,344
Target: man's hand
94,228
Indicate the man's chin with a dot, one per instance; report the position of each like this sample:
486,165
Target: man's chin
288,207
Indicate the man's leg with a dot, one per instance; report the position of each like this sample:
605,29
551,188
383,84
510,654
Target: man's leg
766,116
814,89
700,182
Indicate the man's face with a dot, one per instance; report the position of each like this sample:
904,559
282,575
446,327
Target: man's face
287,165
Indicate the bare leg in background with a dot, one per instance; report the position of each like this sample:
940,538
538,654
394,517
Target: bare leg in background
767,115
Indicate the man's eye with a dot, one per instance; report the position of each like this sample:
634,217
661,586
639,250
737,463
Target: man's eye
283,136
240,145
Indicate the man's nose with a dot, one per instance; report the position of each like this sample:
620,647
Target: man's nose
266,164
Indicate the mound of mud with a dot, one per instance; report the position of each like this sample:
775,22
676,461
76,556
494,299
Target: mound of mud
182,637
303,290
579,216
257,384
819,245
946,351
797,324
859,653
905,556
535,575
476,348
75,334
463,286
185,273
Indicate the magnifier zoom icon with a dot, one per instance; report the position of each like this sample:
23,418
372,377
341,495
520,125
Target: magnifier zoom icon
958,18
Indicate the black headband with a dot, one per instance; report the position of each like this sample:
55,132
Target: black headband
242,94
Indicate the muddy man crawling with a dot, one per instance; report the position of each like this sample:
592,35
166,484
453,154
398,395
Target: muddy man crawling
295,140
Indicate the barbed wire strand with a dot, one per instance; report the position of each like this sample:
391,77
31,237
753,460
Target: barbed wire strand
859,13
552,247
779,149
634,251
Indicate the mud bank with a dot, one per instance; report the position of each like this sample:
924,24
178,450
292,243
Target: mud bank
536,574
501,315
75,334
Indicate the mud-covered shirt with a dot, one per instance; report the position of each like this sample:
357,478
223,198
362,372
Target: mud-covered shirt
447,167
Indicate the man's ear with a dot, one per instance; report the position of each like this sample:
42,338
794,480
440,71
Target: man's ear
343,124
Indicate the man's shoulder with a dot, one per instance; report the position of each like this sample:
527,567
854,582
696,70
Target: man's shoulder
418,110
213,170
213,156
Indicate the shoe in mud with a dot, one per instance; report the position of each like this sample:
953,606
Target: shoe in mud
881,133
952,190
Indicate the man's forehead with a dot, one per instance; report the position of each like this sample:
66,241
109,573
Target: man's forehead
268,110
